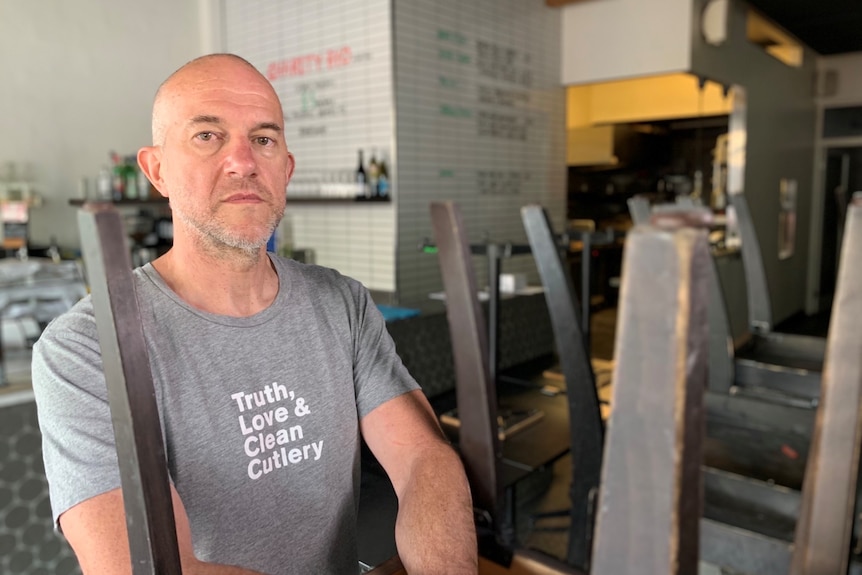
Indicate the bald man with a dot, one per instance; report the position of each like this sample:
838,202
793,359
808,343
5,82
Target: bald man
267,372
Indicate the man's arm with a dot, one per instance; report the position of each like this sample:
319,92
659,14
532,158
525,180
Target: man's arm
434,531
96,530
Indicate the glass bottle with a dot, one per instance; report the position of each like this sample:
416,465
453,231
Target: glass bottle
360,176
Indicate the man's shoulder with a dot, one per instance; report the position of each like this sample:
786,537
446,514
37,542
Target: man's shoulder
318,277
79,321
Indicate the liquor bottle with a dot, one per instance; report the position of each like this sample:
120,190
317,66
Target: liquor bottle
383,179
131,175
360,177
373,174
105,184
118,180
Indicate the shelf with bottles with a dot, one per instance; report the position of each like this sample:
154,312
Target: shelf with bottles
124,186
123,183
367,183
375,178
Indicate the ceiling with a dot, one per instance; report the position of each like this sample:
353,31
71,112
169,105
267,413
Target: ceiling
826,26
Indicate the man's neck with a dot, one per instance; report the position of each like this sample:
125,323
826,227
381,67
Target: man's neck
226,284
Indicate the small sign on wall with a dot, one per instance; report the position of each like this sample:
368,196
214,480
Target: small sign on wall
15,217
786,218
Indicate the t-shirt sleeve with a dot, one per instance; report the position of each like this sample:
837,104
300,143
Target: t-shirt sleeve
74,417
379,374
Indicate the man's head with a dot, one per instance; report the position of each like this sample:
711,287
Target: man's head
219,153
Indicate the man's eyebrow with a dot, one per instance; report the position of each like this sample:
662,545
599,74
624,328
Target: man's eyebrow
268,126
205,120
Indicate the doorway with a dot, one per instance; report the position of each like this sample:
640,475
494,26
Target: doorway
843,177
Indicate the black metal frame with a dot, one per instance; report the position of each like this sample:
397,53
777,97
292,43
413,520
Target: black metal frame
586,430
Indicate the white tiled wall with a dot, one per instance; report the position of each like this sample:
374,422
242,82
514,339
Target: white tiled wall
331,65
460,66
357,240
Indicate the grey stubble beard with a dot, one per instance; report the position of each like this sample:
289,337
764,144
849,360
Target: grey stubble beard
220,242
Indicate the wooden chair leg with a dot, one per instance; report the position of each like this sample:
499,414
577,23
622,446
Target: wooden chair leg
140,450
824,529
476,393
650,499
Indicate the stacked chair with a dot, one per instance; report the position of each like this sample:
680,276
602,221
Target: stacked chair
481,450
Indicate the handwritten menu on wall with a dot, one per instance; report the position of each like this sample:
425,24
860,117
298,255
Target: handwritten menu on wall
480,120
331,65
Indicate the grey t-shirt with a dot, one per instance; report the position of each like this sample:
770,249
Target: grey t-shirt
260,415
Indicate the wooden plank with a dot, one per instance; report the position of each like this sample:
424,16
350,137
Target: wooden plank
523,563
140,449
526,562
824,529
476,394
650,499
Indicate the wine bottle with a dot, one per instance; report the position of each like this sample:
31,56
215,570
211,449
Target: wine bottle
383,179
373,174
361,177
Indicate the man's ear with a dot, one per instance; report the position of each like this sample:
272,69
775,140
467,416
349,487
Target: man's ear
291,164
150,161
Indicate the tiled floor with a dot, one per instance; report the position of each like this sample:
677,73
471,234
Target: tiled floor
28,543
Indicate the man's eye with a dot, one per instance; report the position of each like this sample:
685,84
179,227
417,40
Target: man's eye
205,136
264,140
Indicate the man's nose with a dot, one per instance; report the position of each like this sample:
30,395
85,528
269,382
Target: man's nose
239,158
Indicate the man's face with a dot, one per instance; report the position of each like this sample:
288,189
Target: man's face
224,163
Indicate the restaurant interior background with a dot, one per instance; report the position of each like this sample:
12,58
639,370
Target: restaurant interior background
477,109
494,104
